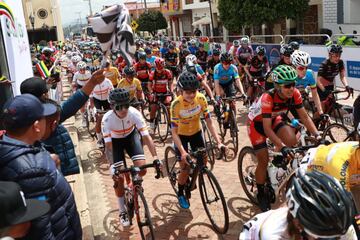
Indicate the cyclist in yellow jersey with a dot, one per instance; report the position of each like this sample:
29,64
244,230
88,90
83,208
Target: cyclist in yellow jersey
185,112
132,84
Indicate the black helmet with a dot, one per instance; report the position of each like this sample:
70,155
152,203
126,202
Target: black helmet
190,67
188,81
260,50
226,57
129,71
201,45
295,45
185,52
320,203
142,55
148,50
171,46
286,50
216,52
119,96
334,48
217,46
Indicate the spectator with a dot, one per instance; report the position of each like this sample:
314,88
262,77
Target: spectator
60,138
25,161
197,32
17,212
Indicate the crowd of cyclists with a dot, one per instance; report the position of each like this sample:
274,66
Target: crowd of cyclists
322,198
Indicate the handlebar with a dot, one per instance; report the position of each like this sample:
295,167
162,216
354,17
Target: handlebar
233,98
135,170
343,91
162,94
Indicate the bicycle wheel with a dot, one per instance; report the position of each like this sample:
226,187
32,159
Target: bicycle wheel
209,145
234,131
172,168
90,125
162,122
143,216
336,132
129,202
213,201
247,164
145,110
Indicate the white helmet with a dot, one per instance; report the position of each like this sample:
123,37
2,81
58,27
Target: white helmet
68,54
81,65
76,58
190,58
244,40
300,58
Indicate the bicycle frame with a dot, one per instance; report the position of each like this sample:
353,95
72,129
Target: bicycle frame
334,106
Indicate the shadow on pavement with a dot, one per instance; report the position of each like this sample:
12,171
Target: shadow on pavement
242,208
113,228
206,232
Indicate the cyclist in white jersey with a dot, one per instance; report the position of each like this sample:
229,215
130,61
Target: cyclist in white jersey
120,128
318,207
99,99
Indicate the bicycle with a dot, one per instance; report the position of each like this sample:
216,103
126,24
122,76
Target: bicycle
134,196
89,116
207,183
258,90
336,132
210,145
337,110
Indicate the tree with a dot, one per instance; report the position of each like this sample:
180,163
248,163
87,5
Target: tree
152,21
238,13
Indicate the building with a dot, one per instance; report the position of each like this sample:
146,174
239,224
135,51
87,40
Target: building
43,20
137,8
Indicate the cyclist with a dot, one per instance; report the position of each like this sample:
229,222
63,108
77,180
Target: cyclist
202,56
328,70
215,59
182,57
121,128
99,99
244,54
301,61
294,45
266,121
143,69
131,84
193,48
112,73
47,57
161,81
185,112
71,68
318,207
150,58
234,48
172,60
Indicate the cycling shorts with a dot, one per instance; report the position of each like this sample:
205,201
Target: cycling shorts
324,95
196,141
131,144
229,89
101,104
257,134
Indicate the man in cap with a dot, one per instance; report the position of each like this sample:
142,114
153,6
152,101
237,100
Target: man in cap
25,161
17,212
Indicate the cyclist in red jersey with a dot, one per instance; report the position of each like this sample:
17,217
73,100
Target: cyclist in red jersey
266,121
143,69
160,82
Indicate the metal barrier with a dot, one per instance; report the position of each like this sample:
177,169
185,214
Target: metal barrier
254,37
300,38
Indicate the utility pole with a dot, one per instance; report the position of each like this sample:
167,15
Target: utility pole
90,7
212,20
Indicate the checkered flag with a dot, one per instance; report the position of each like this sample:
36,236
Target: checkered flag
113,30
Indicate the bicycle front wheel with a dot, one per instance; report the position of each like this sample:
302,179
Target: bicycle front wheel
143,217
172,167
162,124
145,110
209,145
213,201
234,131
247,163
336,132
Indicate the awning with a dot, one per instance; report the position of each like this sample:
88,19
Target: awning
202,21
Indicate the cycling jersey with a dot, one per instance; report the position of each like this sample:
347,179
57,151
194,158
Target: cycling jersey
193,50
186,116
161,80
112,74
132,87
225,77
102,90
307,80
211,65
115,127
142,71
202,58
273,224
151,60
244,54
171,58
340,160
328,71
233,50
81,78
257,65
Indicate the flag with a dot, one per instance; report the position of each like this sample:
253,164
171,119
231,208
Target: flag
113,30
5,10
42,69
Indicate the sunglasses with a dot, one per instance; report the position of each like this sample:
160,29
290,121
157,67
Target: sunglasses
226,62
288,86
301,68
188,92
121,107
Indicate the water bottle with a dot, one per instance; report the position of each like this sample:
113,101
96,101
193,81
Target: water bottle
276,175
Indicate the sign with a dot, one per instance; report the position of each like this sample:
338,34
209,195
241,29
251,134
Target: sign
134,25
353,69
16,42
315,63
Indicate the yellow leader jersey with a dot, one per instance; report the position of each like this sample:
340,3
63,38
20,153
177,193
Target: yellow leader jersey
186,116
132,86
112,74
340,160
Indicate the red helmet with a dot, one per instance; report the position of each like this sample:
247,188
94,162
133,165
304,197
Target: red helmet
159,63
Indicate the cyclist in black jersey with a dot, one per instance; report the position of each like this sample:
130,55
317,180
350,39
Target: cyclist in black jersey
202,56
172,60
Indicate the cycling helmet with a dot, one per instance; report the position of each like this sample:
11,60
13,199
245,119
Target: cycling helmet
300,58
190,67
119,96
47,50
201,45
129,71
185,52
191,58
295,45
183,40
286,50
216,52
283,74
81,65
334,48
148,50
217,46
226,57
142,55
236,43
193,41
244,40
320,203
68,54
188,81
260,50
171,46
159,63
76,58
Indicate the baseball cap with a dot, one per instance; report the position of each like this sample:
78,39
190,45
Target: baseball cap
15,209
23,110
35,86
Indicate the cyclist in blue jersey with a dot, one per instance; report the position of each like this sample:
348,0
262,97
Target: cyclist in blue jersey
150,58
301,61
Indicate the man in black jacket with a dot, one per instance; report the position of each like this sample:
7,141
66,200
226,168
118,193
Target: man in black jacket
25,161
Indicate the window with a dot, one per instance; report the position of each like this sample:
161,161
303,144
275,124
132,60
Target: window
189,1
351,11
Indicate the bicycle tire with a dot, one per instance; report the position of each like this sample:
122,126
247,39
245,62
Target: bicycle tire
221,229
145,110
90,126
162,122
234,131
129,202
332,133
209,145
247,181
172,168
147,217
